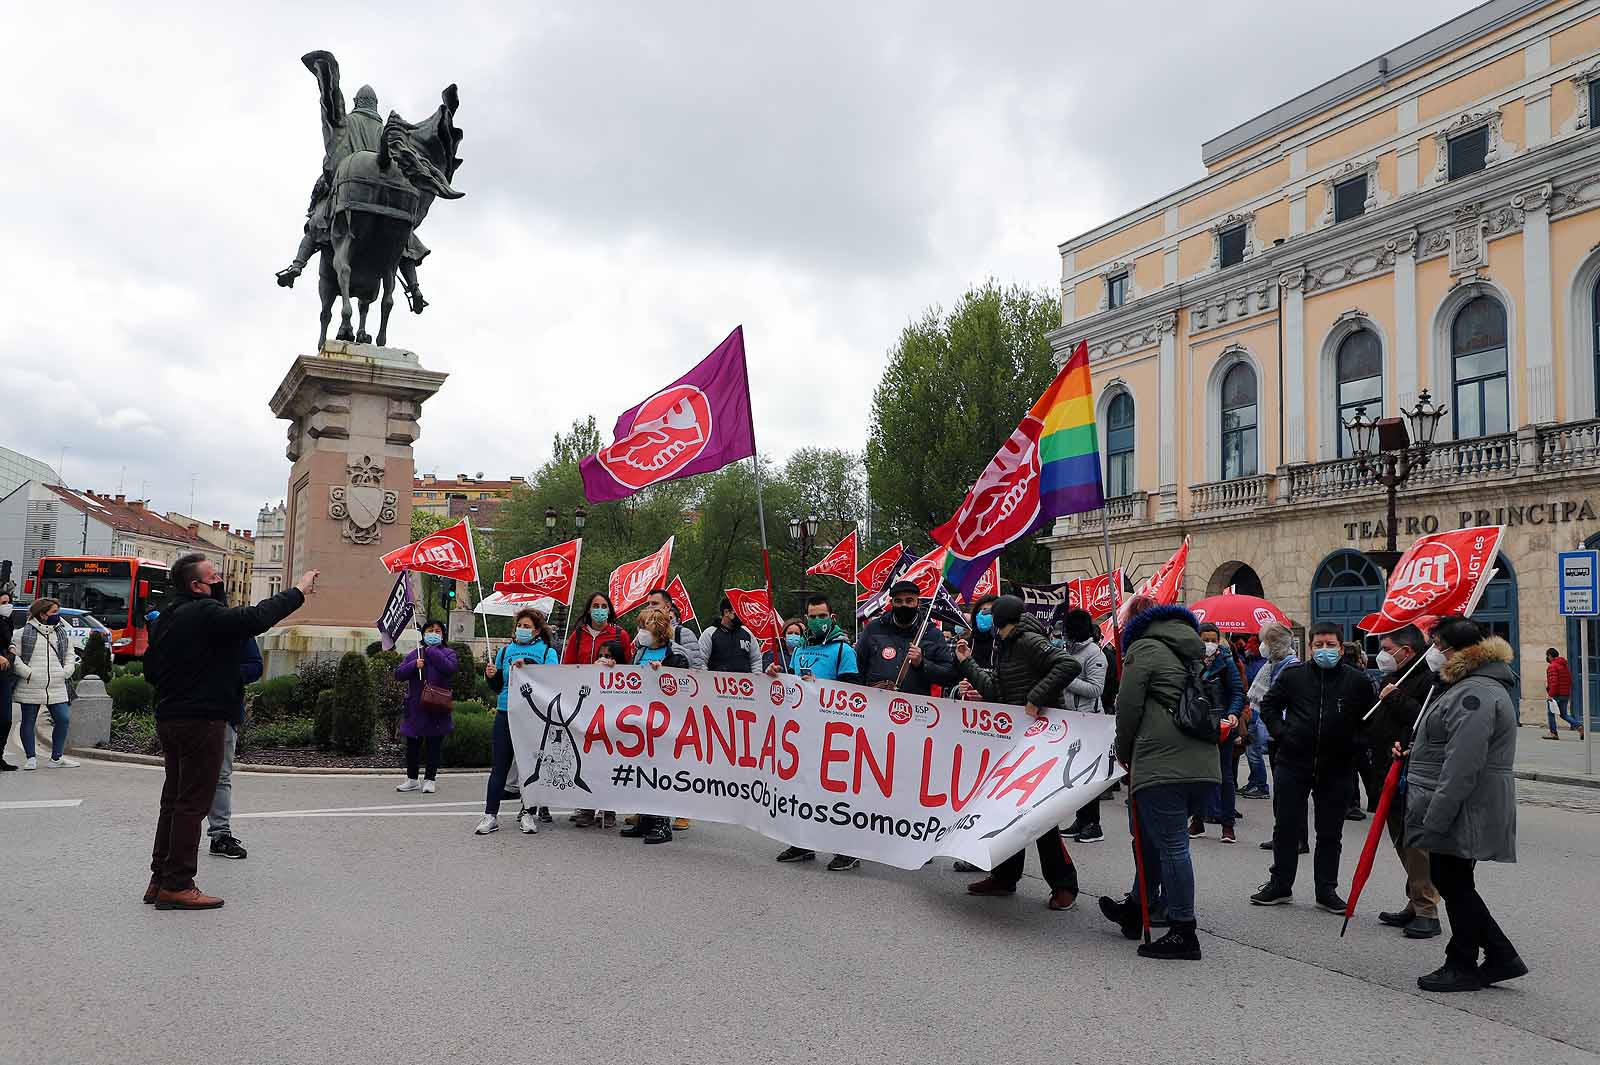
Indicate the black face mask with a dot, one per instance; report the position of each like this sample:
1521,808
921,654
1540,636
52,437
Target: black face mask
219,591
904,616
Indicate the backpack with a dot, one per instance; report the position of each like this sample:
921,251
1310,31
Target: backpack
1196,713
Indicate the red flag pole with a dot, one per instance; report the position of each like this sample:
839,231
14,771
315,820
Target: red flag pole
1138,863
1380,819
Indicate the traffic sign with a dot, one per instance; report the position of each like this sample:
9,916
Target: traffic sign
1578,582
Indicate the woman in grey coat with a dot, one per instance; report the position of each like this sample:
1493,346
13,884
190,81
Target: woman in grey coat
1461,801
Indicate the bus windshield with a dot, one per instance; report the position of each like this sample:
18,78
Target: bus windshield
105,597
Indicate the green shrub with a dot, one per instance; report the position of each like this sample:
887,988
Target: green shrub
314,677
354,707
96,658
389,695
485,694
322,724
468,673
272,700
134,668
137,729
131,695
471,744
473,706
296,732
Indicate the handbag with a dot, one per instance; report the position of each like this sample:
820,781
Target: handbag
434,698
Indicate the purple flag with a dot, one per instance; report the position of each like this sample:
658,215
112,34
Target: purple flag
699,423
397,612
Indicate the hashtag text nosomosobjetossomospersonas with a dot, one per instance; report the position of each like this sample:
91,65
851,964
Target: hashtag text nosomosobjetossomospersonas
841,814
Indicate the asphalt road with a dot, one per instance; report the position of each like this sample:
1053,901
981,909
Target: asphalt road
395,935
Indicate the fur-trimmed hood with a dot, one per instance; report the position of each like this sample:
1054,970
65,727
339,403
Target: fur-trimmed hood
1138,625
1491,657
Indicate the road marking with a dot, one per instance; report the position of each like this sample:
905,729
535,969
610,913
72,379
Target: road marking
40,804
414,806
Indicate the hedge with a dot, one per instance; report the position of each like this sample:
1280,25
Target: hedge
389,695
354,706
314,677
296,732
472,743
273,700
131,695
322,724
464,686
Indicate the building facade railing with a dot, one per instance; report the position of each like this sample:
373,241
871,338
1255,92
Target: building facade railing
1241,493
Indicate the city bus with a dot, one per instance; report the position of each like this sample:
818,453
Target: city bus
118,592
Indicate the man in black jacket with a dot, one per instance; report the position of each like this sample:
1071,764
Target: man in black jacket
728,646
886,643
1407,680
1032,673
193,661
1313,712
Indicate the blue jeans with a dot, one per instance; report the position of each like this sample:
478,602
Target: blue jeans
1256,754
60,713
1563,703
1164,842
1220,803
502,755
221,820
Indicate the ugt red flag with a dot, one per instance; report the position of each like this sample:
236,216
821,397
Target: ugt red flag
446,553
1098,595
631,582
552,572
1165,583
680,599
755,610
1443,573
928,572
989,583
874,573
699,423
840,562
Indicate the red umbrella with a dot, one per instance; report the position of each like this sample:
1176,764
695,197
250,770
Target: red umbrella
1239,613
1380,819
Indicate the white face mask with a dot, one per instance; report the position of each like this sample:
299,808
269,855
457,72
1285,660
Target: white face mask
1386,663
644,639
5,610
1435,659
1211,649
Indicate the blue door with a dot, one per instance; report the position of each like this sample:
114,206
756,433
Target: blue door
1346,588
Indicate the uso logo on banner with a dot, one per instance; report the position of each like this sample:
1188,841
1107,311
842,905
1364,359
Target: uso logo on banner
670,431
986,721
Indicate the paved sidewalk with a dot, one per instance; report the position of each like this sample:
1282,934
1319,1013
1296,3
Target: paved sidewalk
1559,761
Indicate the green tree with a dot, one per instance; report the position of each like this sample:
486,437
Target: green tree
354,708
955,387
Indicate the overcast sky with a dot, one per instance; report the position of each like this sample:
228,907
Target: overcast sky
639,179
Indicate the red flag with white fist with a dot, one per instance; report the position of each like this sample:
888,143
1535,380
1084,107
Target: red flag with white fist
446,553
552,572
631,582
1441,574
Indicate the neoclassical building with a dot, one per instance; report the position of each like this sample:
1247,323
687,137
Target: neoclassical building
1426,221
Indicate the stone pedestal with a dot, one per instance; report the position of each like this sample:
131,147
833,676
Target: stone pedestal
90,724
353,411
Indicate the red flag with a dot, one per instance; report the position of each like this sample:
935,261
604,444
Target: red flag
1445,573
755,610
552,572
989,583
840,562
680,599
874,573
928,571
1099,595
1165,584
1380,821
631,582
446,553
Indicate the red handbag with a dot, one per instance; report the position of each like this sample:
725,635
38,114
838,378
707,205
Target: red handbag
433,697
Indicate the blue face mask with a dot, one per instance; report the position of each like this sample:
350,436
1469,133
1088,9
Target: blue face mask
985,622
795,641
432,639
524,635
1326,657
599,615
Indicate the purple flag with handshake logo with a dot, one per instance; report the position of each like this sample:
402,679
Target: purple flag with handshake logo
699,423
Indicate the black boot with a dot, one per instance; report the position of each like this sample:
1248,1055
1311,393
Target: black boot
659,830
1179,944
1451,977
1124,913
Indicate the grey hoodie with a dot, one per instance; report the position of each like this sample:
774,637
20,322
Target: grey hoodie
1083,691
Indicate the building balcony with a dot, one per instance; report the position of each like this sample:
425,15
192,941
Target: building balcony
1120,512
1222,497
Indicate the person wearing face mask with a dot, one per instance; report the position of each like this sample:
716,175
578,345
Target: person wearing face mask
1407,680
728,646
1313,712
682,635
1278,653
886,642
43,657
794,638
1084,694
596,627
432,664
1223,681
654,646
1461,801
8,677
194,661
1255,749
534,643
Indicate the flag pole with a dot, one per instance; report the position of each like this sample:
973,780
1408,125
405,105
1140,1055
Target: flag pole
1111,575
478,580
905,663
572,595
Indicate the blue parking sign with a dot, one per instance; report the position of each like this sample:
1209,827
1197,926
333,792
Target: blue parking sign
1578,582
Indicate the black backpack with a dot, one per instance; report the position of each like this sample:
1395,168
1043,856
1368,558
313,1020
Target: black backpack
1196,711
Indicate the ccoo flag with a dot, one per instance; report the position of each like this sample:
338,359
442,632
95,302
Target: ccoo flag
699,423
1049,466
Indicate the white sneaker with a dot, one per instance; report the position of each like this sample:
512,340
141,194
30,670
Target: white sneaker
409,785
489,823
31,763
528,821
428,787
63,763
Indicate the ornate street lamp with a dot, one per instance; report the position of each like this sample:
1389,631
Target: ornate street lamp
803,531
550,516
1384,447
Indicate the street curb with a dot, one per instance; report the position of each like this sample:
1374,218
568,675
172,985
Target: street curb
1576,780
250,767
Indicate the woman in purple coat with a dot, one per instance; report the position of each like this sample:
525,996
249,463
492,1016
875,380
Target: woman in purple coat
420,725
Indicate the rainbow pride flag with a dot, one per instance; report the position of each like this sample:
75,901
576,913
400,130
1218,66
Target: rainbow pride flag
1049,466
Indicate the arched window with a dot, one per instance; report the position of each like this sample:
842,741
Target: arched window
1120,478
1358,375
1239,423
1478,364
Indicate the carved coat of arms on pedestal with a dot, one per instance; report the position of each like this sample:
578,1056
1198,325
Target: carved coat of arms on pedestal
363,504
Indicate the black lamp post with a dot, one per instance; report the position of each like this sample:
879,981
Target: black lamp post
580,518
803,531
1384,445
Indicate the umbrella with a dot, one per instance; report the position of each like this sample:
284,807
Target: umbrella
1380,819
1238,613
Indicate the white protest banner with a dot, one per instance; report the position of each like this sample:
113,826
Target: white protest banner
887,777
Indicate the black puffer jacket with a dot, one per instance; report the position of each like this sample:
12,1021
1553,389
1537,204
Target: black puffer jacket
1028,668
1313,715
1397,713
193,659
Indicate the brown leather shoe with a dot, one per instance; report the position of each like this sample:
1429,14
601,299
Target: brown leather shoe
151,892
190,898
990,886
1063,900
